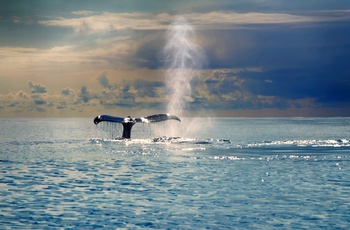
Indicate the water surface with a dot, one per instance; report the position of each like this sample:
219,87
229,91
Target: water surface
227,173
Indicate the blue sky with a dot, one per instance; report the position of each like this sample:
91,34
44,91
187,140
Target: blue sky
263,57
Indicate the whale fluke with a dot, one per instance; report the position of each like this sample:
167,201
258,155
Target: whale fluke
128,122
161,117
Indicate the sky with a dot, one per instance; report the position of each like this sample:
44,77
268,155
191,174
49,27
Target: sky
262,57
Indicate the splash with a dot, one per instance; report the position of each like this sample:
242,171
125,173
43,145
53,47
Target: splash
184,59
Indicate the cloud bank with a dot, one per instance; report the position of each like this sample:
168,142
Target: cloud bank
107,21
86,61
212,90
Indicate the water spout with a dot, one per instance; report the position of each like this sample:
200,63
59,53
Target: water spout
184,59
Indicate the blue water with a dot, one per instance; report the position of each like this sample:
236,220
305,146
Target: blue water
223,173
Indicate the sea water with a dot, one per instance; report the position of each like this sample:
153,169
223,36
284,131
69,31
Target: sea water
229,173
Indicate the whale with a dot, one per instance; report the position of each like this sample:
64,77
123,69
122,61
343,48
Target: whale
129,122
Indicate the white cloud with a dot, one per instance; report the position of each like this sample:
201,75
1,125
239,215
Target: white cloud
115,52
107,22
83,12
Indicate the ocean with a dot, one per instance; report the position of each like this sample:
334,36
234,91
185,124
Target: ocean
219,173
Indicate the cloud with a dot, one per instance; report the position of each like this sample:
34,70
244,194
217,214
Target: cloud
251,88
226,42
38,100
236,89
15,99
131,93
100,53
107,21
85,95
256,88
68,92
103,80
298,62
37,88
83,12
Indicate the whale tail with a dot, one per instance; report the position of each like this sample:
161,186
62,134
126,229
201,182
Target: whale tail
128,122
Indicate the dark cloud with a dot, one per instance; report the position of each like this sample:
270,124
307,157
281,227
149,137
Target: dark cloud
279,89
39,102
85,94
155,49
37,88
103,80
227,89
285,83
298,63
326,84
62,105
40,109
148,53
147,88
273,46
268,6
134,93
68,92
